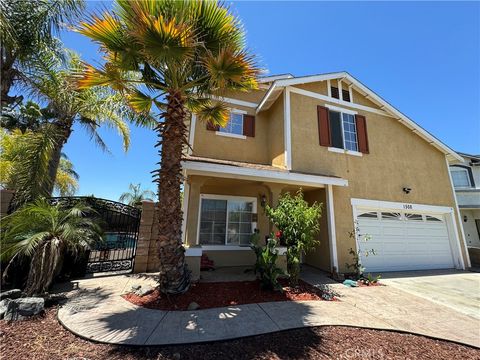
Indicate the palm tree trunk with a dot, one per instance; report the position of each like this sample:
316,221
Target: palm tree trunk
174,275
64,130
45,265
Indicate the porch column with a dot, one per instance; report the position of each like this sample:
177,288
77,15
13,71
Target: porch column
186,196
332,236
192,210
275,192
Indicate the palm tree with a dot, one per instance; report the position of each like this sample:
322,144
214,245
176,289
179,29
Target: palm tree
92,108
175,55
42,233
27,28
135,195
66,181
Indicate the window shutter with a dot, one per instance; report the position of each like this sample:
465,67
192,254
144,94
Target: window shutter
212,127
323,126
249,125
362,136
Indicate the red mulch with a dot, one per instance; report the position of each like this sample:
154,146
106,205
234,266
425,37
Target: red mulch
218,294
44,338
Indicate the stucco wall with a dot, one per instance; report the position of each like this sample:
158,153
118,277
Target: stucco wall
275,136
398,158
320,257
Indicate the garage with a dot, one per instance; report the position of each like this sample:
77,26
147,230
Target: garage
409,239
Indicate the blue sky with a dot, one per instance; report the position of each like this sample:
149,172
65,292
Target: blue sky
424,58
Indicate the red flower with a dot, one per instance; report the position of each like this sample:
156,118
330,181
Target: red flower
279,234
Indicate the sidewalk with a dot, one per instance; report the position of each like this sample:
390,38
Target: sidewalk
95,310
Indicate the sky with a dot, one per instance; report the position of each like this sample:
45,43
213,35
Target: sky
422,57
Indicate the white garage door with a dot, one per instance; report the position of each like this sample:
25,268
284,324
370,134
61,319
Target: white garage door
403,241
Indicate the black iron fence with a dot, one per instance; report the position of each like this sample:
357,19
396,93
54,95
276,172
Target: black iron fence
120,224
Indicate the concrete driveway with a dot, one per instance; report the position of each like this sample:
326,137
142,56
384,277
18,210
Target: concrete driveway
459,290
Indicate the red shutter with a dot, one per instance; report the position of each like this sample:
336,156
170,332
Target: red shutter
212,127
323,126
362,136
249,125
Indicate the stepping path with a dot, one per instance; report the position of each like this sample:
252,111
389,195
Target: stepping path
95,310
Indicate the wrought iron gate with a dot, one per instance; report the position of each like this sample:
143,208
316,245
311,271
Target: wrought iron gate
120,223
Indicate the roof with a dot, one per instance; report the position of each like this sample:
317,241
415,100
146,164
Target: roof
470,156
278,85
195,165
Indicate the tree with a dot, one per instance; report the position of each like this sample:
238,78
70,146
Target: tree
176,56
66,181
297,222
91,108
27,28
42,233
135,195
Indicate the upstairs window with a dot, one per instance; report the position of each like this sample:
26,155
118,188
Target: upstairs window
460,177
336,93
343,130
234,125
340,129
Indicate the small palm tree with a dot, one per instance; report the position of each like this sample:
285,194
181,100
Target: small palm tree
42,233
175,56
135,195
66,181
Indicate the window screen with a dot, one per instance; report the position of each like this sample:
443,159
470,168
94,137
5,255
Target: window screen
336,129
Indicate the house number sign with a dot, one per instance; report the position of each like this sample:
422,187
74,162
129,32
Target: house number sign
408,206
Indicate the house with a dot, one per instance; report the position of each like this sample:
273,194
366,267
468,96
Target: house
344,146
466,181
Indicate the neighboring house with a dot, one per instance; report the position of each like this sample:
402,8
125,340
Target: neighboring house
466,180
345,147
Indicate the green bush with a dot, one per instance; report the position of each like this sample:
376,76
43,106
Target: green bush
297,222
266,263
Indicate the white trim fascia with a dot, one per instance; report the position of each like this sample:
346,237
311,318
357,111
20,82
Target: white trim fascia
287,133
403,206
237,102
340,89
329,88
238,111
312,78
191,136
235,136
340,109
274,77
343,151
282,177
337,101
332,232
392,112
265,97
457,211
186,196
350,91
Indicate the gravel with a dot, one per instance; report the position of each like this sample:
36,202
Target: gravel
43,338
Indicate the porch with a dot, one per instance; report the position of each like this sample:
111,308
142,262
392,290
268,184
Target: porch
223,206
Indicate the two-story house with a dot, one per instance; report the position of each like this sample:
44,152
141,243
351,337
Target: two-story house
466,180
368,164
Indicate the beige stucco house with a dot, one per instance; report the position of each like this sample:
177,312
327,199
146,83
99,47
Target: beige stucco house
346,147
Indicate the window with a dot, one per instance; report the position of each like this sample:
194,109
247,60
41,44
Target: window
343,130
391,216
226,221
460,177
346,95
334,92
414,217
234,125
369,215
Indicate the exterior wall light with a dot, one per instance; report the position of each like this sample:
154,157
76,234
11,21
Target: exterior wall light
263,200
465,219
407,190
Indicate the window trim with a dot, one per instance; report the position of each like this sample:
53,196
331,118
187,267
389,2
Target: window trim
344,111
232,135
225,247
470,178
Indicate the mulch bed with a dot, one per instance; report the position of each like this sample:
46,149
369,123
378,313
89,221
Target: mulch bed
45,339
218,294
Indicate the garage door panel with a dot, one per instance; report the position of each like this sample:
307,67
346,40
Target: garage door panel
409,242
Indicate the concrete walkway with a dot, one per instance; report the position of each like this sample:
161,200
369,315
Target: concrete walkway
96,311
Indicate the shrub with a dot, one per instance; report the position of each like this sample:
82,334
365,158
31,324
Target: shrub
298,224
266,263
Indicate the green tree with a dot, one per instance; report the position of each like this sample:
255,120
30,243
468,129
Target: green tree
91,108
42,233
298,223
27,28
135,195
176,56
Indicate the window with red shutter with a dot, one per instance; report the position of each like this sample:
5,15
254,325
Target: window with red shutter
249,125
362,136
323,126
